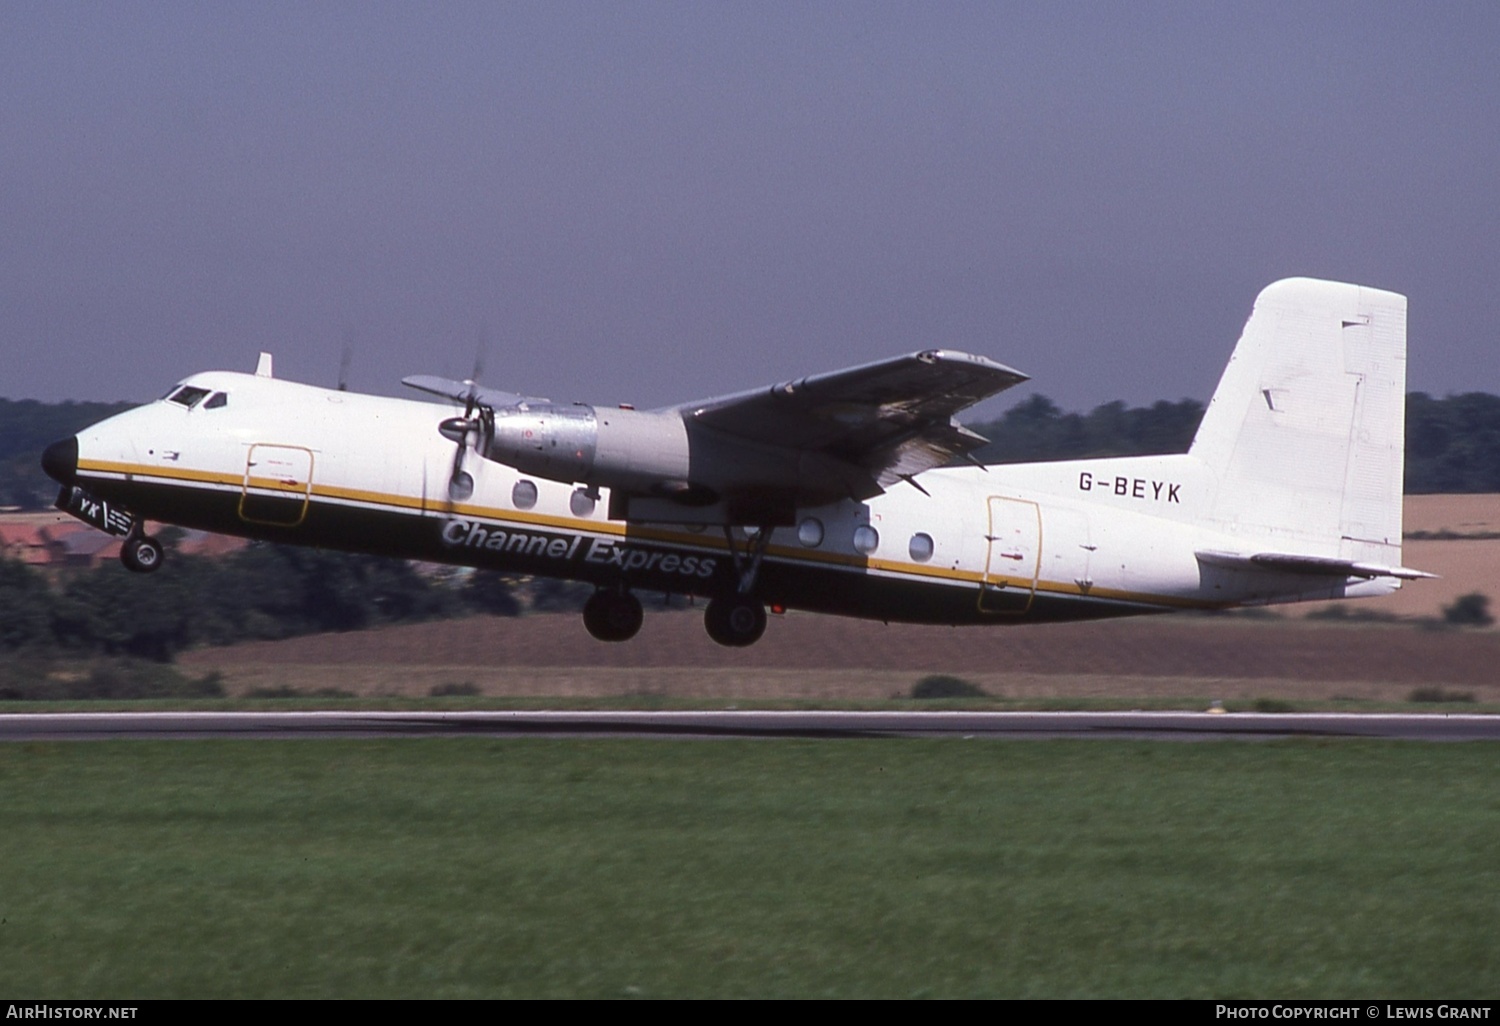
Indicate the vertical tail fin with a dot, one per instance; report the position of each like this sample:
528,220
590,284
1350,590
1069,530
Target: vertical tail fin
1306,431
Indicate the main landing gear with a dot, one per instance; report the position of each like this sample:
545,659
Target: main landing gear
613,614
140,552
738,620
734,620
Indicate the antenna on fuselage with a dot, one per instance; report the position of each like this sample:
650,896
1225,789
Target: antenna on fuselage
263,366
344,360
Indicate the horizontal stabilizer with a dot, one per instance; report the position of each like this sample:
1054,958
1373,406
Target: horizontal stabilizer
1322,566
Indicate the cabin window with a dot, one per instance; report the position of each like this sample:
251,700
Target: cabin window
810,532
581,503
921,547
523,495
866,539
217,401
188,396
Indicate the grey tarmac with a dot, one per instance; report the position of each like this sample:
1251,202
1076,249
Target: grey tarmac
1180,726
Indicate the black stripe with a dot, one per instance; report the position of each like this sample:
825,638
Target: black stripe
400,534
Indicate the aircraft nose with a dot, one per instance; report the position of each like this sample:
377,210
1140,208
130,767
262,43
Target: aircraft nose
60,460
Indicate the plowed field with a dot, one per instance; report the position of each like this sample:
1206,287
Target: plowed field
811,657
808,656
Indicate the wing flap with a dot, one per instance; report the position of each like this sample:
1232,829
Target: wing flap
933,447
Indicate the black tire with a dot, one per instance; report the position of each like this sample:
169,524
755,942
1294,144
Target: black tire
613,615
142,555
735,621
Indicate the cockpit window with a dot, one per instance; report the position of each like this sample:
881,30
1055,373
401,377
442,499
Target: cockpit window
188,396
216,400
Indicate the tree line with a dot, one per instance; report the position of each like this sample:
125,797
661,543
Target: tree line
26,428
1452,443
261,592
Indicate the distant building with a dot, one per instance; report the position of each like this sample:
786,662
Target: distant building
52,540
25,542
85,548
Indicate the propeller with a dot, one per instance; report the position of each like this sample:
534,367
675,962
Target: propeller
476,427
467,432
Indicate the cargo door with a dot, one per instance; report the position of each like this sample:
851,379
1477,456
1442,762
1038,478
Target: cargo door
278,485
1012,556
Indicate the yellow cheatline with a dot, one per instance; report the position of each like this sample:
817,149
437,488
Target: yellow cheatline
505,516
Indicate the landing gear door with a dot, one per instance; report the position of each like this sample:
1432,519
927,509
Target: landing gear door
278,483
1012,557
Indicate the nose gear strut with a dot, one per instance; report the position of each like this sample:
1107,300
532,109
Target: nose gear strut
139,551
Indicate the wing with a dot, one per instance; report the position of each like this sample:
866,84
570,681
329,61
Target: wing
462,392
893,419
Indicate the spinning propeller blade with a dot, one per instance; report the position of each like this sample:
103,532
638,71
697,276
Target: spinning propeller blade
477,426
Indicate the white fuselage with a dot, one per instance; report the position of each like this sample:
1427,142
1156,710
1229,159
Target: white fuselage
304,465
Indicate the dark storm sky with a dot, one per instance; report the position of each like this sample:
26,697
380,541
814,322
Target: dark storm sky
653,202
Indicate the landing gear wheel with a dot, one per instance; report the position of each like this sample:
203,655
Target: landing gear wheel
142,555
735,621
613,615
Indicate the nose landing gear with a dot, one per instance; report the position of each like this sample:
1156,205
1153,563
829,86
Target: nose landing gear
141,553
613,614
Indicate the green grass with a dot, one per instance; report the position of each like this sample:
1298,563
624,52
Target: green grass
470,868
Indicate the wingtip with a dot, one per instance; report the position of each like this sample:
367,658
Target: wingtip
1013,377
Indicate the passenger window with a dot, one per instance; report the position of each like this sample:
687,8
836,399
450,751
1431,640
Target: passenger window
810,532
581,503
216,401
921,547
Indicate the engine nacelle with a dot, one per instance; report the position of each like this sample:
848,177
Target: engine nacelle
545,440
609,448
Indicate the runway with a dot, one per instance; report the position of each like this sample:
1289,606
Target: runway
1179,726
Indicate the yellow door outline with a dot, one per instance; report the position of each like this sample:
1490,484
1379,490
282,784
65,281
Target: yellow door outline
277,486
1013,556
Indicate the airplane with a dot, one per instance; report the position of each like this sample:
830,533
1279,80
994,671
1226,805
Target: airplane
845,493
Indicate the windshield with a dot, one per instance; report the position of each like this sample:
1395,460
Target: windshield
187,395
